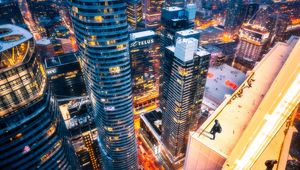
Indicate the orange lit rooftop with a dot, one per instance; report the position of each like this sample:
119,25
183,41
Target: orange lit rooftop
255,28
235,113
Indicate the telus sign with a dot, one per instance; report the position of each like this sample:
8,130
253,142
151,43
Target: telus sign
141,43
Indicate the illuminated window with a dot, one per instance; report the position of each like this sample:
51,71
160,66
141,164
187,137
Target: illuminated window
111,42
75,9
121,46
182,71
92,43
98,18
110,129
114,70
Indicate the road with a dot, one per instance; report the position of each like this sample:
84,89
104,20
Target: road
33,27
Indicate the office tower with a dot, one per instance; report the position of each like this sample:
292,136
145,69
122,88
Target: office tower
153,13
250,9
10,12
233,18
254,118
145,61
185,69
175,24
80,123
102,35
175,19
134,12
65,76
33,135
277,26
178,3
252,42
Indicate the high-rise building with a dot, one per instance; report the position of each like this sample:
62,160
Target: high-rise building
101,32
145,61
252,42
32,132
175,19
65,76
185,70
153,13
178,3
134,12
80,123
234,17
254,119
10,12
250,9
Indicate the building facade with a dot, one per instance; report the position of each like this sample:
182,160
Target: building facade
256,138
233,18
33,135
185,70
81,125
145,61
252,44
174,19
178,3
153,13
101,31
65,76
134,12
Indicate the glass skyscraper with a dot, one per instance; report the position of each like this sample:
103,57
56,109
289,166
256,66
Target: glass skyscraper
101,31
32,132
184,70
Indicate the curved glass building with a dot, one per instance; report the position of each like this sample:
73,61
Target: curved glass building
32,132
101,32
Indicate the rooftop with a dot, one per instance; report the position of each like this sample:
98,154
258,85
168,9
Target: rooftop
188,32
202,51
141,34
222,80
11,35
185,49
60,60
236,111
173,8
43,41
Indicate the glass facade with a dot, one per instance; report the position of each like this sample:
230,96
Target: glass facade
32,132
179,3
101,32
153,13
183,90
145,61
84,136
134,12
65,76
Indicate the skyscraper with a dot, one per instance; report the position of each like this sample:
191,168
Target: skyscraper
153,13
254,119
234,15
32,132
175,19
252,42
175,23
178,3
101,32
185,70
134,12
145,57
